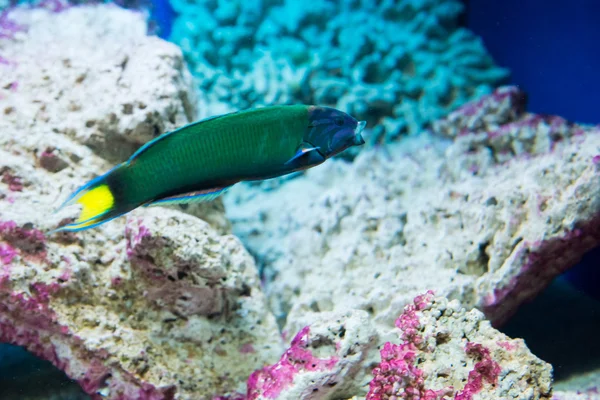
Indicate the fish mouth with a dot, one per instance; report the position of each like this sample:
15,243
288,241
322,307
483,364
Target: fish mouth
358,139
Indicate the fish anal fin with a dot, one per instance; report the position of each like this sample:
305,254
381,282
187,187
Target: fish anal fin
200,196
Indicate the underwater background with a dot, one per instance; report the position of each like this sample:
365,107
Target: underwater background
343,249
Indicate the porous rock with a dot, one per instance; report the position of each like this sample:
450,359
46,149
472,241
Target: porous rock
489,217
57,90
157,306
438,350
95,76
324,361
447,352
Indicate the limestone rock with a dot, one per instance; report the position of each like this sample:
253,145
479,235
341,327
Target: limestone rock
489,218
440,351
324,361
158,305
446,352
92,74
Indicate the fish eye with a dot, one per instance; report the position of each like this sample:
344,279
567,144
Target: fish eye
339,121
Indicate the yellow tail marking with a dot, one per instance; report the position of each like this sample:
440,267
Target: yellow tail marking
95,202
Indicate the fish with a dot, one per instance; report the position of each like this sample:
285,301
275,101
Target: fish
202,160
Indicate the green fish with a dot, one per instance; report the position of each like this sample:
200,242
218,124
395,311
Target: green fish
200,161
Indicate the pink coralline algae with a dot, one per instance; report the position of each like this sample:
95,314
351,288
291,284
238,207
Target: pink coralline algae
247,348
486,370
408,322
27,239
510,346
54,5
14,182
28,320
135,238
26,242
443,345
397,376
8,27
7,253
271,380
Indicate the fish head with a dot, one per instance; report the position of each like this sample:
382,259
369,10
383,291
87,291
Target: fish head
332,131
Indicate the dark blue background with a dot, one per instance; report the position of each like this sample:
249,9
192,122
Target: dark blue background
552,48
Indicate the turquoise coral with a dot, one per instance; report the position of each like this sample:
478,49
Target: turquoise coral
399,65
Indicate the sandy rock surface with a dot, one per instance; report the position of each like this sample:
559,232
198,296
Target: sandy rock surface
157,306
438,350
489,217
92,74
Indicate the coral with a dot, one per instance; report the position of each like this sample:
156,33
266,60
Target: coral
443,346
398,64
489,216
156,306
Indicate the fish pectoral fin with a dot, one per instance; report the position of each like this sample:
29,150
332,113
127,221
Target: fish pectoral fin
200,196
303,150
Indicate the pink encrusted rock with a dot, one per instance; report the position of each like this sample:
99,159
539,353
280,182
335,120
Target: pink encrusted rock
488,215
448,353
323,361
8,27
162,306
187,273
270,381
125,329
178,329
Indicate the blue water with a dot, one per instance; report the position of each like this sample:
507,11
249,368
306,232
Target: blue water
163,15
550,46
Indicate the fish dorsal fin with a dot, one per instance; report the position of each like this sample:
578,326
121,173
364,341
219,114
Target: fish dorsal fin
152,142
304,149
200,196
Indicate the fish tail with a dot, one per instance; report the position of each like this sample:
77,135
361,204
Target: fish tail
98,202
